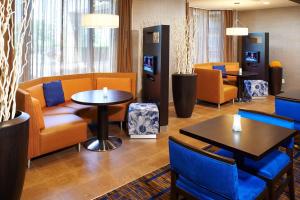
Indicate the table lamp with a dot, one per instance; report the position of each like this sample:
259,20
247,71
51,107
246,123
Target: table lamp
236,126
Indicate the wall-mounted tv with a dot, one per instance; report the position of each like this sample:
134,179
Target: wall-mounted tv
252,56
150,65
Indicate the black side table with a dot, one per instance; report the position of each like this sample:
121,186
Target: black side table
102,142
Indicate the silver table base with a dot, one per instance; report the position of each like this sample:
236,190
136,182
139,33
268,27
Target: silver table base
93,144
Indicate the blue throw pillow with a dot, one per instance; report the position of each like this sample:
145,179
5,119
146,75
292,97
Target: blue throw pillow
222,68
53,93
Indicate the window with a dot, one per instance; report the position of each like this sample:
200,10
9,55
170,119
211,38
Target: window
58,43
210,35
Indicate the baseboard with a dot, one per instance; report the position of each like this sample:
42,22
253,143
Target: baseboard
143,136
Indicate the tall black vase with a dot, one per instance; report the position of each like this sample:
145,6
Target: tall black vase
184,94
13,156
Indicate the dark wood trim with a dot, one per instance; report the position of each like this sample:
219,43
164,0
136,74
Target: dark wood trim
267,114
296,1
203,152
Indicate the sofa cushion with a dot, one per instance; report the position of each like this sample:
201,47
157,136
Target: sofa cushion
76,106
269,166
38,93
62,131
123,84
222,68
61,120
53,93
37,109
58,110
73,86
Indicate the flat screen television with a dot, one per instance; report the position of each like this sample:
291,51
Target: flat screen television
252,56
150,65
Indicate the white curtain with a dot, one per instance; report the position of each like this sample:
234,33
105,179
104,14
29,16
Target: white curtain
200,21
210,35
59,45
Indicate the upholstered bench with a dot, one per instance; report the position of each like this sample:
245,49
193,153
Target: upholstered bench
143,120
65,124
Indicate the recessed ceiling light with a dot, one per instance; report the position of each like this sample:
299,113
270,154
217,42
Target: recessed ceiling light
266,2
236,3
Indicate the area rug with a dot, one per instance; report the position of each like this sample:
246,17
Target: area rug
156,185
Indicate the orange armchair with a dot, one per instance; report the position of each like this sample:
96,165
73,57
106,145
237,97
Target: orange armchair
210,87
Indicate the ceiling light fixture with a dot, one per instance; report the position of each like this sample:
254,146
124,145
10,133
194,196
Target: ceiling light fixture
100,21
237,29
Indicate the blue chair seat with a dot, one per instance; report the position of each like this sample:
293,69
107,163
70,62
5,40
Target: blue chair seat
250,187
268,167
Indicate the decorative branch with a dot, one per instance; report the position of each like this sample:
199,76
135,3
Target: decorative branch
12,49
184,37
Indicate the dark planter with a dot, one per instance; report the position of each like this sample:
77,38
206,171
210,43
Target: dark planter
275,80
184,94
13,156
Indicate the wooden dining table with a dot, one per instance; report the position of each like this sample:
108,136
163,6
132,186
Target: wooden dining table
254,141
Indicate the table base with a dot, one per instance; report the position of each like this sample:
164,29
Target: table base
111,143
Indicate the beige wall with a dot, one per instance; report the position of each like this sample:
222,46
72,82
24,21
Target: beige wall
149,13
283,24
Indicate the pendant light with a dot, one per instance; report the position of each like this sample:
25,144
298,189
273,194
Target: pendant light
100,21
237,29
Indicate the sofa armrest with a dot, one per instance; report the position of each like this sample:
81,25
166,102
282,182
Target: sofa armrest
209,85
25,104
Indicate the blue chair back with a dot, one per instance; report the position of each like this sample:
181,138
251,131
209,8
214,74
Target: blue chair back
216,174
288,109
270,119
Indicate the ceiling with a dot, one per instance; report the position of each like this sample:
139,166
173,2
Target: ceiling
243,4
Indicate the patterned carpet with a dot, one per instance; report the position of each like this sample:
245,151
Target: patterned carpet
156,185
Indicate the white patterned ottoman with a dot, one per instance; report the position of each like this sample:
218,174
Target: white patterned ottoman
143,120
256,88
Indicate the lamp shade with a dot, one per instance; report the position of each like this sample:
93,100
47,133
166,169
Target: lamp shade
237,31
100,21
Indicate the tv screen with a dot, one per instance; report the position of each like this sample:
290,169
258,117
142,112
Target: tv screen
149,65
252,56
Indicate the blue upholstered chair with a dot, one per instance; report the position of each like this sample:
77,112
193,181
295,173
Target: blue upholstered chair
198,174
291,109
276,164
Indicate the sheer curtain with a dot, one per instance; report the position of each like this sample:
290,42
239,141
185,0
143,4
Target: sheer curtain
200,23
59,45
210,35
215,36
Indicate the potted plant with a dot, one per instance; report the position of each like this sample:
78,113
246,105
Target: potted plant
14,124
184,80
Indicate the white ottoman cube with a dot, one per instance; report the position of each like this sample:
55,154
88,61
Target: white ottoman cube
143,120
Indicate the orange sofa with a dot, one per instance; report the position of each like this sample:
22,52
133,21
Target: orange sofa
229,66
210,87
57,127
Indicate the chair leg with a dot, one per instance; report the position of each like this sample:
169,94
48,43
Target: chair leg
291,184
78,147
121,126
271,190
174,194
219,106
28,163
232,101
